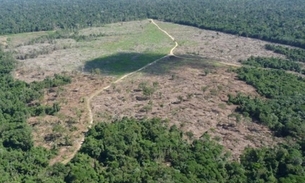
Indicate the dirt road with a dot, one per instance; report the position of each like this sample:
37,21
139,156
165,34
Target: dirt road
89,98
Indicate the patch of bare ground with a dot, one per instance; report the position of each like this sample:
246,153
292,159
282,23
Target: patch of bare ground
212,44
64,131
191,96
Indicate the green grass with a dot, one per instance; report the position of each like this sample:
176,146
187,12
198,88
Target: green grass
123,48
131,52
16,39
150,38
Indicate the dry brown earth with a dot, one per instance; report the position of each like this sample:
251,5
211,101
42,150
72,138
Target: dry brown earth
64,131
191,95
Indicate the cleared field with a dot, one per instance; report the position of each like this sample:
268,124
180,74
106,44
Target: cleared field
191,94
215,45
119,48
113,49
189,89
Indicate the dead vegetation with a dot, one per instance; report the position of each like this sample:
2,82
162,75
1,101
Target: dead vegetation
192,96
63,131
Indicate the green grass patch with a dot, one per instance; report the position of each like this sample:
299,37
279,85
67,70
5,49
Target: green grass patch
131,52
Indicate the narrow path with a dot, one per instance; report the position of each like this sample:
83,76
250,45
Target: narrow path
176,44
89,99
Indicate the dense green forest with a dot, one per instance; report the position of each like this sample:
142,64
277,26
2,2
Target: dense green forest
280,107
150,151
274,63
290,53
283,108
280,21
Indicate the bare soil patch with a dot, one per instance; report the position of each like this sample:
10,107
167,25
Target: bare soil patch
191,95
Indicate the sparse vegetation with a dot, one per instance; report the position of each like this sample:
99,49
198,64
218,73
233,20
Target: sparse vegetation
222,105
213,91
204,88
148,90
180,98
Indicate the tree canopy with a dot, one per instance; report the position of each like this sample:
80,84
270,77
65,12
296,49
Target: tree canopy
278,21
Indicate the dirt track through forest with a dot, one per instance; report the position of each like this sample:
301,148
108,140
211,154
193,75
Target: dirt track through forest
89,98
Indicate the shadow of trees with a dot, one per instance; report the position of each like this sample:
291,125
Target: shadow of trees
121,63
124,62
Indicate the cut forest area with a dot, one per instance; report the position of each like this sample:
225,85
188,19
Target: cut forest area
190,89
108,50
216,45
64,131
152,91
147,74
191,94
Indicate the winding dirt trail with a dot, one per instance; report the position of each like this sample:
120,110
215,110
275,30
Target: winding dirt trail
90,97
176,44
